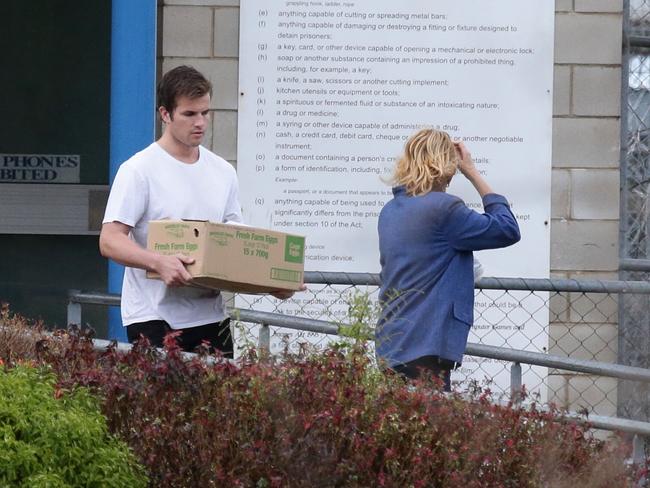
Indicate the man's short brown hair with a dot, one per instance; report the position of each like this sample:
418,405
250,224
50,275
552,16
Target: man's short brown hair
182,81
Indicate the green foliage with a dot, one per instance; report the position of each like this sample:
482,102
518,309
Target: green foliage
50,438
362,314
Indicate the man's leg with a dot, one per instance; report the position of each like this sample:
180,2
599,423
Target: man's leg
154,330
217,335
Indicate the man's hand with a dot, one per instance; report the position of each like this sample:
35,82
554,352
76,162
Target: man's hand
172,269
114,243
286,294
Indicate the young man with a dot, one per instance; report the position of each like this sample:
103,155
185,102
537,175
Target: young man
173,178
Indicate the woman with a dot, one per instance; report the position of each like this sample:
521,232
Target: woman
426,239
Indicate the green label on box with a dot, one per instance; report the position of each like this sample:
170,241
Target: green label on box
176,230
174,247
286,275
294,249
221,238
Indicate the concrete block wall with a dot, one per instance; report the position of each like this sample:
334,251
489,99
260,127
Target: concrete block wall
205,34
586,137
585,174
585,191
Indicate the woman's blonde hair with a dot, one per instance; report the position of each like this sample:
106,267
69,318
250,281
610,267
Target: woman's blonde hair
429,162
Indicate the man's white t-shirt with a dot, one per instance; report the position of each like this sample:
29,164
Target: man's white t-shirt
152,185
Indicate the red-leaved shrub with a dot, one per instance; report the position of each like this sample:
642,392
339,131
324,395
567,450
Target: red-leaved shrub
325,420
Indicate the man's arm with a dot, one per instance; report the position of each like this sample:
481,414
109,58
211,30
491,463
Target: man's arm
115,244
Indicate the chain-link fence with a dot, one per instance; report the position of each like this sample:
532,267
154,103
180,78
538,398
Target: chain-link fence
634,322
577,320
574,319
639,14
635,127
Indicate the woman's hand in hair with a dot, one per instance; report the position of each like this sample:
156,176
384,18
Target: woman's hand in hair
466,165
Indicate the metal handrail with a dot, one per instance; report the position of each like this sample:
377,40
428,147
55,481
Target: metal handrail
492,283
630,264
639,41
613,370
487,283
124,347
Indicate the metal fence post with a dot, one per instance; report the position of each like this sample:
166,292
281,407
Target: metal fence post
515,383
638,449
264,342
74,310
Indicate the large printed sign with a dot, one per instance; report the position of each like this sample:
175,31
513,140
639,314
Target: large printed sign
330,91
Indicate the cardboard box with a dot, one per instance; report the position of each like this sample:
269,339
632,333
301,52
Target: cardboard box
229,257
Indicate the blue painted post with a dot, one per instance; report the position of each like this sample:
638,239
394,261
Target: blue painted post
132,124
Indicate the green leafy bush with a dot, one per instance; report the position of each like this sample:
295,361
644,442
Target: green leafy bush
53,439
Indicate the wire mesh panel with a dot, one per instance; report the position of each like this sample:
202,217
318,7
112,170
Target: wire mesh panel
637,173
639,14
634,325
516,319
332,303
636,137
580,325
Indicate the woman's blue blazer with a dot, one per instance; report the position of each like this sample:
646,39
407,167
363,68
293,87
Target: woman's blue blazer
427,292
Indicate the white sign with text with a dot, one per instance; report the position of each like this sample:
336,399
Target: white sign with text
330,91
